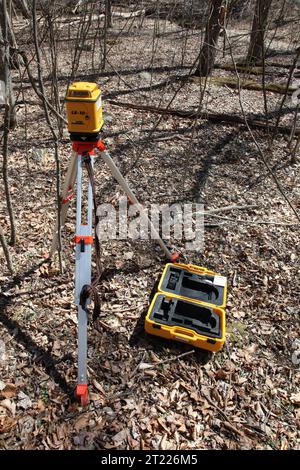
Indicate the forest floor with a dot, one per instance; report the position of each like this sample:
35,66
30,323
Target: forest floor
141,396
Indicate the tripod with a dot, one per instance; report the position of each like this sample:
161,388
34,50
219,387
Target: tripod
84,238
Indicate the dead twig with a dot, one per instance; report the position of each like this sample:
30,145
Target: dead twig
145,366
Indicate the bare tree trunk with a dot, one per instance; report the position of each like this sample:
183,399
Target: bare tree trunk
22,5
295,151
48,120
5,74
6,86
54,66
107,24
108,15
6,24
256,47
10,113
213,27
6,251
9,29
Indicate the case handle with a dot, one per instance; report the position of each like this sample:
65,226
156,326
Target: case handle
198,269
183,334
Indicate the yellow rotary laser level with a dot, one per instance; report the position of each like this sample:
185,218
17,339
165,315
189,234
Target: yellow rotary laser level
84,110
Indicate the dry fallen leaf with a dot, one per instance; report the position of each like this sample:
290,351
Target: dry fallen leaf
144,365
151,373
9,405
98,387
40,405
6,424
241,380
295,398
9,391
163,443
24,401
222,374
82,422
120,437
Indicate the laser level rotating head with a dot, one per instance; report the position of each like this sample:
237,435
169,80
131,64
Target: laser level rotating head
84,111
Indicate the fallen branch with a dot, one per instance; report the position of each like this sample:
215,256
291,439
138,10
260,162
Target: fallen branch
175,358
233,429
227,424
230,208
247,84
212,117
254,222
96,17
249,69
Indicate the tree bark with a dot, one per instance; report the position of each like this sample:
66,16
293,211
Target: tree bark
212,31
6,251
257,39
6,88
107,25
108,13
9,29
10,113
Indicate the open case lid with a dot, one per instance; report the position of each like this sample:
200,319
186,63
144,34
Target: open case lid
199,285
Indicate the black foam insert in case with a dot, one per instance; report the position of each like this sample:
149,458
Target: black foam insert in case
178,312
200,287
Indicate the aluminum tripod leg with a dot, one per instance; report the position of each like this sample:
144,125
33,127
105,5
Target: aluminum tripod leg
132,198
82,276
67,194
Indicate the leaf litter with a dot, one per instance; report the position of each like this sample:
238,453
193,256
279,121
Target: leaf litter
144,392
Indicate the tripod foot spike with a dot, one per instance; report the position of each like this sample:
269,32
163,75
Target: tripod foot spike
175,257
81,394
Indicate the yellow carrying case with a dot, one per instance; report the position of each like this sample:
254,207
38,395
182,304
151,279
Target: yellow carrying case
189,307
186,321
